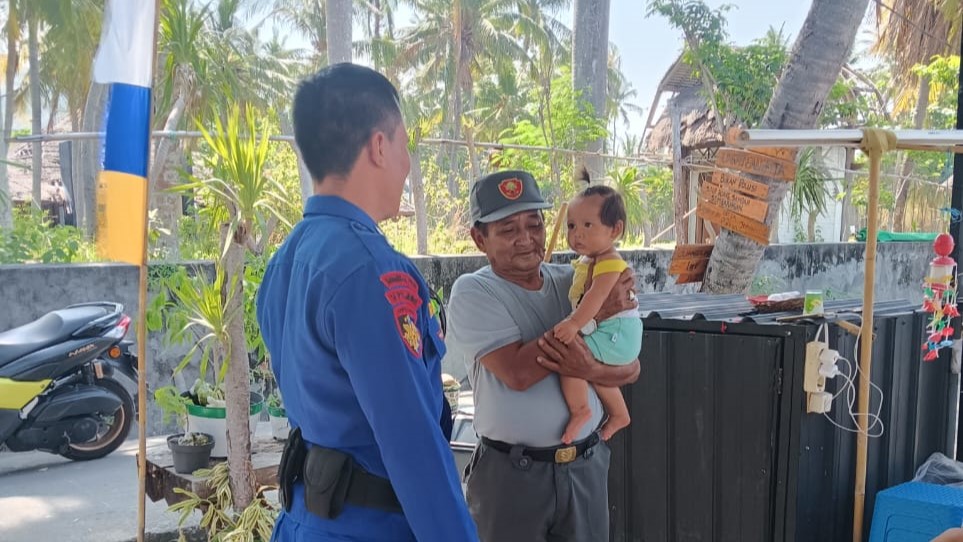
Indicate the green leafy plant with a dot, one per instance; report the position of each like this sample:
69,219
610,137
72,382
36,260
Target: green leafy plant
223,524
35,239
172,404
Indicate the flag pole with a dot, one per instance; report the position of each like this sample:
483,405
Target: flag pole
142,324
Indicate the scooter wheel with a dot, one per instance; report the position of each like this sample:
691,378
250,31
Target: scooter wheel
117,428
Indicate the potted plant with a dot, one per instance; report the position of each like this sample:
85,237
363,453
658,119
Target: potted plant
190,451
279,417
207,413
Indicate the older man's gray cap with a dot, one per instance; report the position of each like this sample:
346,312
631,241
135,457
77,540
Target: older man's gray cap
504,193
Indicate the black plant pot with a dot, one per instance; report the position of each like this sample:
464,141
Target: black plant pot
188,459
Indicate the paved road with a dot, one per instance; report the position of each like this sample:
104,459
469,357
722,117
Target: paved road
46,497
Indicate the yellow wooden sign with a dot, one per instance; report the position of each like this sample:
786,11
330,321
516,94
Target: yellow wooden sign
692,251
689,266
688,279
757,164
735,202
689,262
753,229
741,184
782,153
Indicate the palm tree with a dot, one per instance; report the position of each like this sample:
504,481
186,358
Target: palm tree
12,30
910,33
252,201
338,15
450,44
821,49
307,17
590,53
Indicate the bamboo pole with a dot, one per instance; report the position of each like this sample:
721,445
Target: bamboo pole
558,225
866,332
142,332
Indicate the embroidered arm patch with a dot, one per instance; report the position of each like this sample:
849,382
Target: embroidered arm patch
401,291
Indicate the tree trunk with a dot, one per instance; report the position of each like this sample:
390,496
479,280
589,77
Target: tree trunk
590,62
237,388
13,59
165,145
307,184
168,204
849,212
421,205
338,24
823,45
87,160
680,183
52,116
36,124
903,188
811,227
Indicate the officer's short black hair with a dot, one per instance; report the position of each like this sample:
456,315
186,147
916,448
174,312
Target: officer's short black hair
336,111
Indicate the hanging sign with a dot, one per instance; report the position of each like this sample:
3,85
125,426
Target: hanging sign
758,164
782,153
738,183
689,262
734,202
753,229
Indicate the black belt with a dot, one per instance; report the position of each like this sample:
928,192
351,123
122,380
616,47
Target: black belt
345,482
553,454
371,491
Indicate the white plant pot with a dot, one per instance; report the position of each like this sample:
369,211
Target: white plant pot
213,421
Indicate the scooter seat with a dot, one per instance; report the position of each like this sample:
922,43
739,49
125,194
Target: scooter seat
51,328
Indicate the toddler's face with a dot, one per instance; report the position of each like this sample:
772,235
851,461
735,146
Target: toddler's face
586,234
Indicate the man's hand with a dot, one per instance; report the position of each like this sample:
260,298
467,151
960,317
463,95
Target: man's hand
621,298
566,331
573,359
576,360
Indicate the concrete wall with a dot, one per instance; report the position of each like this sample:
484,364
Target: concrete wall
833,267
29,291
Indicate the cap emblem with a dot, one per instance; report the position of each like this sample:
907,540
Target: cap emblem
511,188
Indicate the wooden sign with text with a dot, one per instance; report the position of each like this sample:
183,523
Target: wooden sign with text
735,202
741,184
758,164
689,262
782,153
753,229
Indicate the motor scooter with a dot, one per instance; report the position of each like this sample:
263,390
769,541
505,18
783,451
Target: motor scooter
68,382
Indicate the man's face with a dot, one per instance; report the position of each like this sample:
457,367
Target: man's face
516,243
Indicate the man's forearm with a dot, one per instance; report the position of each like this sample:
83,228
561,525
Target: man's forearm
613,376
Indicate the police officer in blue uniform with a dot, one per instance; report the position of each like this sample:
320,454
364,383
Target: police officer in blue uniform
354,343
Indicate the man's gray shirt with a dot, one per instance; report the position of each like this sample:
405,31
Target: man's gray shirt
487,312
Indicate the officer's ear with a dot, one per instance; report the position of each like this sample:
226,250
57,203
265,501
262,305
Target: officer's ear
479,238
377,148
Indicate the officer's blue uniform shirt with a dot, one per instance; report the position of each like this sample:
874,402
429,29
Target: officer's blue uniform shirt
357,356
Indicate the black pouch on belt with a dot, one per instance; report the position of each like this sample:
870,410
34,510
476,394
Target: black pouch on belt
290,469
327,476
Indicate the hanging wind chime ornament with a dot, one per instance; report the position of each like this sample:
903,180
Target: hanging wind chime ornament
939,298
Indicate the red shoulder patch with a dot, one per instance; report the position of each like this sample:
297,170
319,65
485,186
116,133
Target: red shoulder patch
401,291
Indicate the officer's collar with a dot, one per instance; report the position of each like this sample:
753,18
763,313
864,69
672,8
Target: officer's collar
336,206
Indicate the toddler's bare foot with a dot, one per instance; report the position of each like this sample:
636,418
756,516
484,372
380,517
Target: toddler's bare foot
613,424
577,419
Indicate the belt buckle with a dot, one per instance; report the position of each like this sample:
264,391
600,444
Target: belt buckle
565,455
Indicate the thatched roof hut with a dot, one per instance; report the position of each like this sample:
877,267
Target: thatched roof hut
698,123
21,178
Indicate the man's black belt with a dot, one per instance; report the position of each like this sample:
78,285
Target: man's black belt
331,479
553,454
